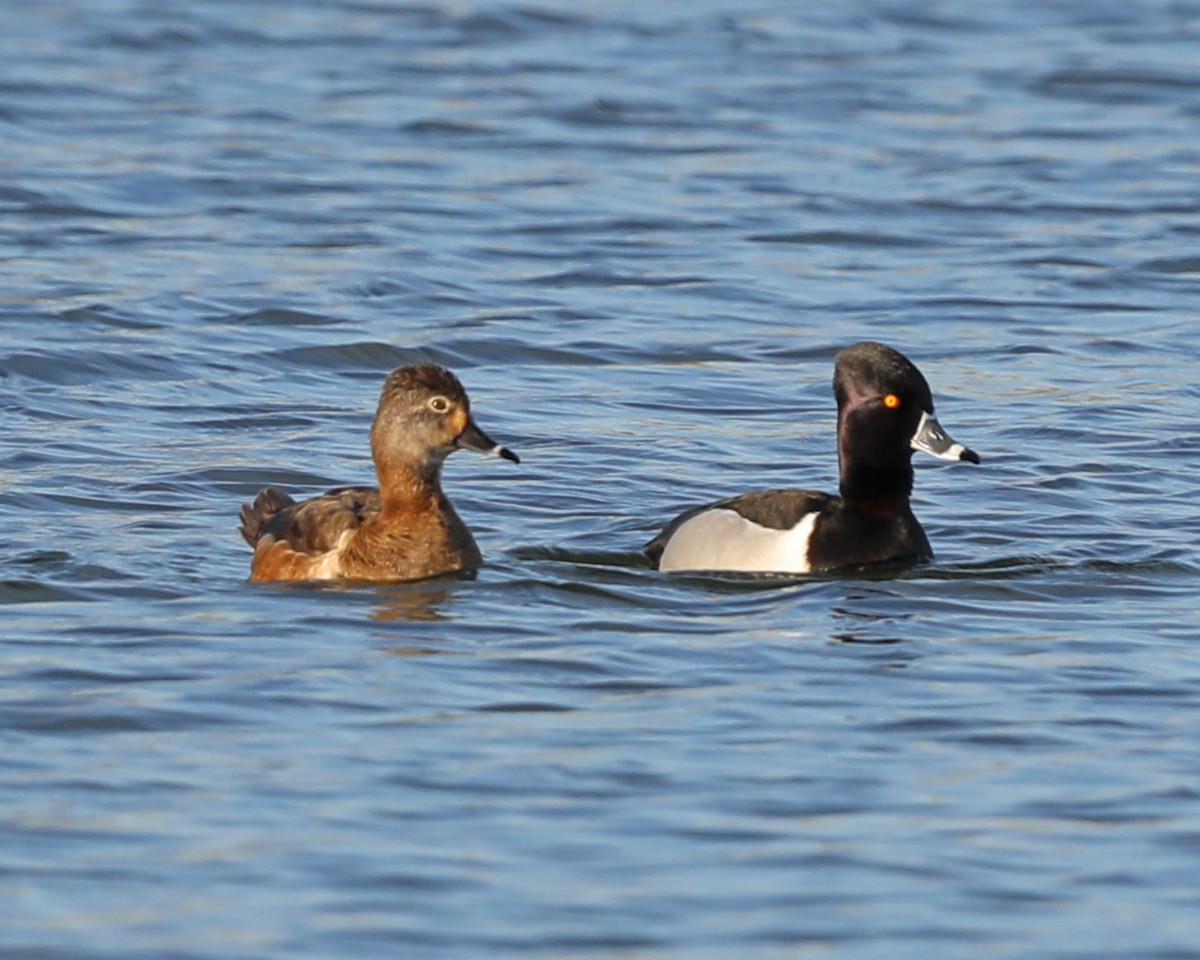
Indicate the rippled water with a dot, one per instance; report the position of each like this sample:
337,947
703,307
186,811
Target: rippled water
639,232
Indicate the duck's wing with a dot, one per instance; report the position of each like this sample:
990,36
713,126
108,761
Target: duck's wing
770,509
302,541
316,526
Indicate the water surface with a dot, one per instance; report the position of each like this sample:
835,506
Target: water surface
639,233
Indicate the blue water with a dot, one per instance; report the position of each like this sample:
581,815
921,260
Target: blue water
639,233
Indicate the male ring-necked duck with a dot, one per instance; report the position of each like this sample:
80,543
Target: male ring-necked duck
885,412
404,530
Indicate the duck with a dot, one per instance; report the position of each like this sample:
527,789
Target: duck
885,414
404,529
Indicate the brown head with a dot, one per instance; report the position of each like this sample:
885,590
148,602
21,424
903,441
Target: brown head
424,415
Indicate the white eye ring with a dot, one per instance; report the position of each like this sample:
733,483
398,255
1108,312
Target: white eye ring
439,404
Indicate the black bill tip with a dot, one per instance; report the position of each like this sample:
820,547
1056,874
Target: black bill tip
472,438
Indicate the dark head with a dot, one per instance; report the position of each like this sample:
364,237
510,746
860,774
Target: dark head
885,412
425,415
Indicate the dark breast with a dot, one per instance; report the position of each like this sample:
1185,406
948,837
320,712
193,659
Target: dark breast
848,538
409,546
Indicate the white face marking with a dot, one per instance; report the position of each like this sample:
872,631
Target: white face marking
930,438
723,539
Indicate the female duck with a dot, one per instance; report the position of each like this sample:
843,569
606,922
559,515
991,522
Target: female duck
885,412
404,530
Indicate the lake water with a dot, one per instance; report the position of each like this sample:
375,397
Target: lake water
639,233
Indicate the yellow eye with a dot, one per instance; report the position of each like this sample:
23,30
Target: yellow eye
891,401
439,404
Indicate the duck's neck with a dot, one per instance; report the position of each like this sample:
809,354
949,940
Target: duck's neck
867,478
880,491
404,485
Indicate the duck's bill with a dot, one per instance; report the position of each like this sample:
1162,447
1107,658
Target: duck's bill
475,439
932,439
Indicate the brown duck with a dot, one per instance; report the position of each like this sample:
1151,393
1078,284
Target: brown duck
406,529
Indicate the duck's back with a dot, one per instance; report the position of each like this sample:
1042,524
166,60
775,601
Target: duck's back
304,541
315,526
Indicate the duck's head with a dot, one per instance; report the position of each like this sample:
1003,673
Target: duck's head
885,412
425,415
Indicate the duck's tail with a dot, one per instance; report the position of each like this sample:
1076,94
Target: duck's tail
255,515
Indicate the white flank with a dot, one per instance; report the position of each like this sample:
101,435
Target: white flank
723,539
